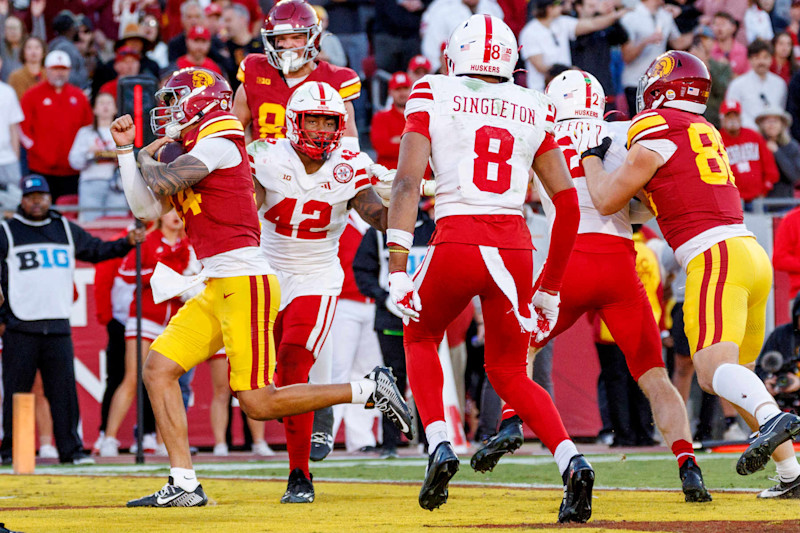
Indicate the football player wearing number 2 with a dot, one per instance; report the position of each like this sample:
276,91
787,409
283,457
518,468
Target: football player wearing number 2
678,158
305,186
211,188
483,134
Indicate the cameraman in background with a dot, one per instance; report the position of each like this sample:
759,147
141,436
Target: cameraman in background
777,365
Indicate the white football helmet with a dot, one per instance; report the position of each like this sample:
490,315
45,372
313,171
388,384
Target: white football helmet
577,94
482,44
315,98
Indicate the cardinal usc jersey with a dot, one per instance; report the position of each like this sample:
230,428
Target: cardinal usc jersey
268,93
219,211
304,215
484,137
618,224
694,191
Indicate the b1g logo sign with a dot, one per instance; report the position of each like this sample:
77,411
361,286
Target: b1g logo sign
43,258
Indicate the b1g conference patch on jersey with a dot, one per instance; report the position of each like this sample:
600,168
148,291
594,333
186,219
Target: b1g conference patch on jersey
343,173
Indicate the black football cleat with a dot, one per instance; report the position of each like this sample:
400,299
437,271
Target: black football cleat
388,399
442,466
300,489
774,432
578,481
172,495
784,489
507,440
321,435
694,489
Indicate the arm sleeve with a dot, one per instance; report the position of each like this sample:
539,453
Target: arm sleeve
366,268
562,238
93,250
144,203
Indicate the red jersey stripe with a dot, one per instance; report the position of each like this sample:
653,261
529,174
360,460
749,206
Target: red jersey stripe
718,291
487,46
254,306
701,338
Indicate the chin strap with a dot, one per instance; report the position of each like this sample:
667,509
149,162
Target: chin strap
173,129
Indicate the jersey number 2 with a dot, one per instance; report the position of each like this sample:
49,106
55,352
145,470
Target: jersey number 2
282,213
493,148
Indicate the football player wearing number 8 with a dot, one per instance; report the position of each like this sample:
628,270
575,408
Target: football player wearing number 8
678,158
305,186
483,134
211,188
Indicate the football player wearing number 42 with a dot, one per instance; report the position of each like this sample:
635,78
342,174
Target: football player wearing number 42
678,158
483,134
305,186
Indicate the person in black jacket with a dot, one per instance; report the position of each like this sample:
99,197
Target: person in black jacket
38,249
371,271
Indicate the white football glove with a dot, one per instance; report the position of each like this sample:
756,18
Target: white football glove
392,308
589,135
404,295
381,178
428,188
545,307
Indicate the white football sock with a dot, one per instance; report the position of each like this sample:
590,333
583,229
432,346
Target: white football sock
741,387
184,478
436,433
362,390
565,451
788,469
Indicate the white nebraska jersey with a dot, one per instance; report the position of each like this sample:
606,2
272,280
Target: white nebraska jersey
618,224
483,140
304,215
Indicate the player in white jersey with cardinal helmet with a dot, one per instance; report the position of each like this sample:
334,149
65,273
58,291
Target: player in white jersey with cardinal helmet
305,186
601,277
483,135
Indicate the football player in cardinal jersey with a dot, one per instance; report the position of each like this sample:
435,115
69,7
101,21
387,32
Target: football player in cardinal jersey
483,134
305,186
291,37
678,158
211,188
601,276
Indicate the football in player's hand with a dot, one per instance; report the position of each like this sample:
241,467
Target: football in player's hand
169,152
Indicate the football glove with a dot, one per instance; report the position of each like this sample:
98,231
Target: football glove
545,307
404,295
381,179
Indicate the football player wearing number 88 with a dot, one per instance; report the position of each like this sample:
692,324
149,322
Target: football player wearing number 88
679,160
483,134
306,185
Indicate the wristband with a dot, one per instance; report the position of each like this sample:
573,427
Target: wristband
398,251
125,147
399,238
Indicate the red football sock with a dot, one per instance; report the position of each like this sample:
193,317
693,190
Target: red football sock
507,412
426,379
683,450
293,365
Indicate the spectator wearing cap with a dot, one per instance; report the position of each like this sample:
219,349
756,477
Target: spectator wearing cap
240,41
387,126
10,119
65,25
198,44
751,160
38,251
13,35
442,16
213,12
330,47
396,32
720,72
127,62
132,37
54,112
759,88
192,16
757,24
418,66
592,51
774,124
727,48
651,28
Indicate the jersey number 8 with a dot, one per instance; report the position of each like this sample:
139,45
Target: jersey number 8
712,160
493,146
271,120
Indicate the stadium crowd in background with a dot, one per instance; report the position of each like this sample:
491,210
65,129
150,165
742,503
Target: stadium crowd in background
66,63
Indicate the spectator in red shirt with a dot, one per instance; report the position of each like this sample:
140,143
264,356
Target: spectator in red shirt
786,253
752,162
198,45
127,62
783,59
387,126
54,112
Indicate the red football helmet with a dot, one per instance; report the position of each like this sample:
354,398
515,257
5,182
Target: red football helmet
315,98
291,16
675,79
189,94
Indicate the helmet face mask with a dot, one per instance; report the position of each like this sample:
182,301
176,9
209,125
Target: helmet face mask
576,94
676,80
290,17
483,45
315,100
187,96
